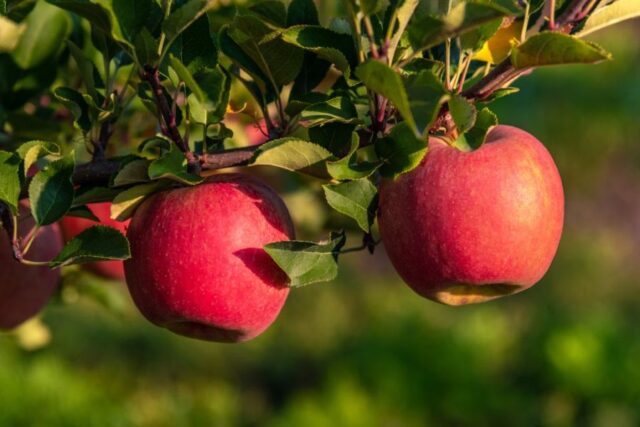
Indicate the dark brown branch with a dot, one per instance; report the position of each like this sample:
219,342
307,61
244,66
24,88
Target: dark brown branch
167,117
226,159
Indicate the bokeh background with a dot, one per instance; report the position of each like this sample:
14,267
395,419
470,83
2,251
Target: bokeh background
364,350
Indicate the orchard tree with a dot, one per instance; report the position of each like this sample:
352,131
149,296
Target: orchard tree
157,112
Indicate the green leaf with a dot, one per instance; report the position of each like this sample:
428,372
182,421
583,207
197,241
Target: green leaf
302,12
610,14
82,212
349,167
552,48
371,7
10,179
51,191
335,137
146,48
74,101
477,135
339,109
183,17
98,15
428,31
463,113
87,71
94,195
329,45
355,199
195,47
47,27
243,60
125,203
426,96
307,262
10,33
136,16
404,13
32,151
401,152
134,172
279,61
173,165
97,243
380,78
272,11
292,154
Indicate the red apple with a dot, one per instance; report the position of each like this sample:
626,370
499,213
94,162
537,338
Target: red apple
25,290
72,226
198,267
468,227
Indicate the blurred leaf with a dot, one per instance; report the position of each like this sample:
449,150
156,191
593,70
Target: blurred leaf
308,262
87,71
97,243
51,191
302,12
10,179
401,151
463,113
98,14
271,11
10,33
355,199
47,27
146,48
370,7
381,79
292,154
610,14
552,48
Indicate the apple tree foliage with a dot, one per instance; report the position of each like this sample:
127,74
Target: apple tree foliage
346,102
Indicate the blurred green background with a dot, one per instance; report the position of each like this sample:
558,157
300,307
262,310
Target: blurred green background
366,351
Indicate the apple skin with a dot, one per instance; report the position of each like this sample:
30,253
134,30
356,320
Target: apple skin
72,226
198,267
25,290
468,227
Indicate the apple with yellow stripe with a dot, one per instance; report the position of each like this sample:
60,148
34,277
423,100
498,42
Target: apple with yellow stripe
470,226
